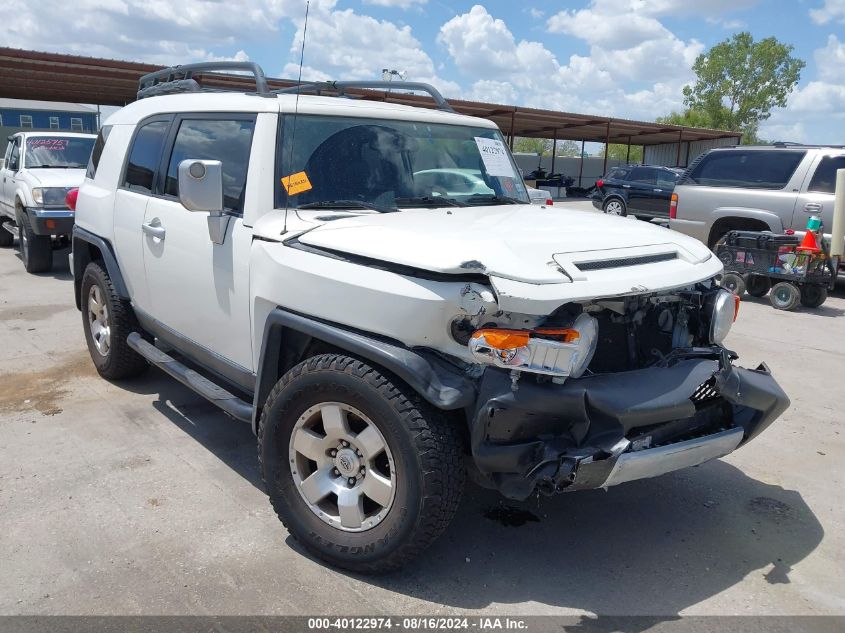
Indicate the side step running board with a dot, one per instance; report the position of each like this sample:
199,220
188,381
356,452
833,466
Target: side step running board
11,228
216,394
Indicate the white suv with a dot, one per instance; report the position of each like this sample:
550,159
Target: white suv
276,253
37,172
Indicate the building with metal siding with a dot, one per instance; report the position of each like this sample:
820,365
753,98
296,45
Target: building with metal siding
17,115
667,153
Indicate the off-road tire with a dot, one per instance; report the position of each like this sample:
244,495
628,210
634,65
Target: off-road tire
121,361
733,282
36,250
813,296
785,296
607,205
427,455
757,285
6,238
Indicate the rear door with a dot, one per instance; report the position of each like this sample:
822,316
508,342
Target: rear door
666,180
641,185
818,191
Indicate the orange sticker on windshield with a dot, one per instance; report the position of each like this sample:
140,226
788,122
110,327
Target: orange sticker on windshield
296,183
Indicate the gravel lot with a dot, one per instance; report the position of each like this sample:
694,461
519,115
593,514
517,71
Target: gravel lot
141,498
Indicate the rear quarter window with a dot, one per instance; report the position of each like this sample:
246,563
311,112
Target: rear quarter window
751,169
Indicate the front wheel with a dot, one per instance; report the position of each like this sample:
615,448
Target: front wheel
757,285
733,282
615,206
785,296
36,250
359,470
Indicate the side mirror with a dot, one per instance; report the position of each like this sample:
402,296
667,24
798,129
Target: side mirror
201,185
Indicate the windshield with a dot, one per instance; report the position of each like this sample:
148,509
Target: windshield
58,151
385,165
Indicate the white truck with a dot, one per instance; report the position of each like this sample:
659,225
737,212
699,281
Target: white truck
37,172
276,253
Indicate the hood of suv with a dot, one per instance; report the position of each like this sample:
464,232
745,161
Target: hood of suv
521,243
56,177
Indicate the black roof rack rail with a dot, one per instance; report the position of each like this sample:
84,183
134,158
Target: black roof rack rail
811,145
340,87
180,78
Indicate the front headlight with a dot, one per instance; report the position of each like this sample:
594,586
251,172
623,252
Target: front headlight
724,308
49,196
551,351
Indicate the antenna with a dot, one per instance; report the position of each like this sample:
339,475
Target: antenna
295,113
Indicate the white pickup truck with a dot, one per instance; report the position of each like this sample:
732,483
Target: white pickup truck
36,174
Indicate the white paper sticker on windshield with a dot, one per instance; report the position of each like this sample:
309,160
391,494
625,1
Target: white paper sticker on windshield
495,156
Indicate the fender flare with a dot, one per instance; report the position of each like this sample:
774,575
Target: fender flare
81,259
441,384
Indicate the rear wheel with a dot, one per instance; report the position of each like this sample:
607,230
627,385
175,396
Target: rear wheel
36,250
107,321
785,296
615,206
813,296
360,471
733,282
757,285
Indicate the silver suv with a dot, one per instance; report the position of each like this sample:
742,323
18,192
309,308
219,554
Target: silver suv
769,188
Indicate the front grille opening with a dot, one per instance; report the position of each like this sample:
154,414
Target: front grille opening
705,392
625,261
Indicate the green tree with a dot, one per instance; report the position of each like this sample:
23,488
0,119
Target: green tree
619,151
568,148
688,118
539,146
739,81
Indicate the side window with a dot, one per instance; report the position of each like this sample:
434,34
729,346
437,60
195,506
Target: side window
753,169
26,120
666,178
824,180
145,156
99,145
15,156
226,140
54,123
643,175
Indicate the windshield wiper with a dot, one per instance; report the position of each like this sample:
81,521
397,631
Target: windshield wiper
55,166
492,198
346,204
428,201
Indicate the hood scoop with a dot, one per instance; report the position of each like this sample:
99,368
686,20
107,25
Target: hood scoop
621,262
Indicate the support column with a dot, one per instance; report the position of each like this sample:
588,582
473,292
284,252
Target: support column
628,155
513,122
581,165
680,140
554,151
606,149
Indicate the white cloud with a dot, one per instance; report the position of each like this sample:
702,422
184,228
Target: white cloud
830,11
348,45
615,78
154,31
401,4
830,60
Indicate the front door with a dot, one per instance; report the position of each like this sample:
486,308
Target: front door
10,167
199,289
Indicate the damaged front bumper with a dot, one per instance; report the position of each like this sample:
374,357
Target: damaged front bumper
607,429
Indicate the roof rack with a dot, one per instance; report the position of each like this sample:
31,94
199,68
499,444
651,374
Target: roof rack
791,144
180,78
317,87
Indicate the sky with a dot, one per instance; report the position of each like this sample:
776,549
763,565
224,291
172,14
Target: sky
625,58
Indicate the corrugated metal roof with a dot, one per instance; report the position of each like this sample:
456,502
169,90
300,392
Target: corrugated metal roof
53,106
51,76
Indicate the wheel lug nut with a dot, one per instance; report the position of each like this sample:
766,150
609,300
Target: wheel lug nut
345,443
363,469
335,472
352,481
334,453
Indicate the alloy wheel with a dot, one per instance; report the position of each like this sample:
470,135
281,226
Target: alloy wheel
98,320
614,207
342,466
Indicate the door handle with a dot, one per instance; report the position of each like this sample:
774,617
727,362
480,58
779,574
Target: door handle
154,229
658,190
810,207
626,186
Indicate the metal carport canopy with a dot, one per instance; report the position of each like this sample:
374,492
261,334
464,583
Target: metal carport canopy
57,77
